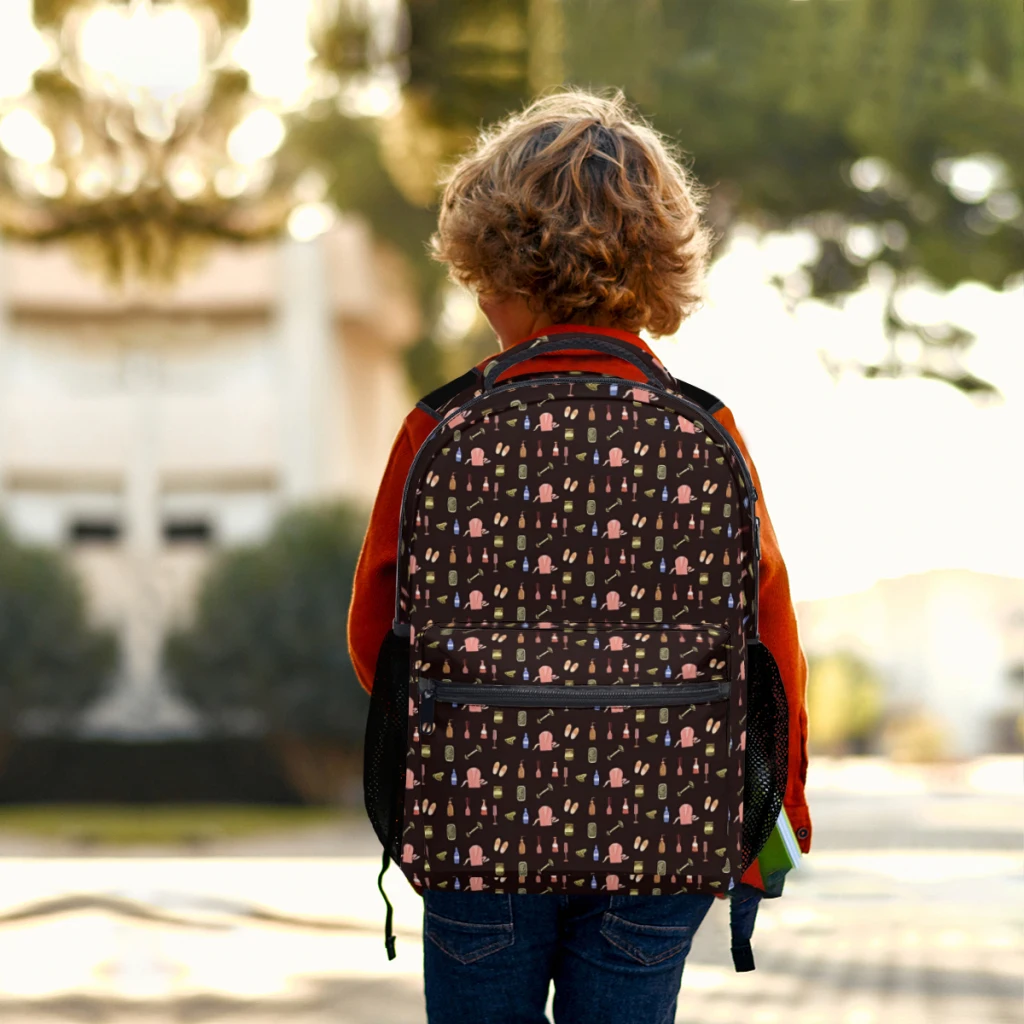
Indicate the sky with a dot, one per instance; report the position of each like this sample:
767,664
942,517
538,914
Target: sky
863,479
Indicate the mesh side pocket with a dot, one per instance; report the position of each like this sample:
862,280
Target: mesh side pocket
384,748
767,760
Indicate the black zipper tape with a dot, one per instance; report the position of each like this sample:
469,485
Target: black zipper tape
432,690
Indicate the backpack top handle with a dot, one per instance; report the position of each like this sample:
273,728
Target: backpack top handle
652,369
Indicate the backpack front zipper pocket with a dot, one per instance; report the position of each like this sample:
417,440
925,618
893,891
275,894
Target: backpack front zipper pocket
577,655
483,695
583,788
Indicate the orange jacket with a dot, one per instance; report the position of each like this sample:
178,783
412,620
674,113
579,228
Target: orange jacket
373,596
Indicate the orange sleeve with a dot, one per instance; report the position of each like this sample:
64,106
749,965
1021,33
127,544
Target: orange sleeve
372,610
778,628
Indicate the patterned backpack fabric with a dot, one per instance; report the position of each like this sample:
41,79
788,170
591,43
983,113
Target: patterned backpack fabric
573,697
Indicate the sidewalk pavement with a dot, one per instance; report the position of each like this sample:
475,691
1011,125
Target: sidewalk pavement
907,911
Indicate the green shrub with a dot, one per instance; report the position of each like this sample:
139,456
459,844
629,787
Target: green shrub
845,698
268,639
52,663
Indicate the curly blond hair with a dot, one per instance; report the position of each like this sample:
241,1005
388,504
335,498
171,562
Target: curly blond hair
578,205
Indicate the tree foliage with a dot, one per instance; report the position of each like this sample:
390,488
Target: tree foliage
845,702
53,663
131,184
893,130
268,635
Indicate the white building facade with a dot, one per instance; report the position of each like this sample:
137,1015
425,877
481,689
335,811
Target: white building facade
143,431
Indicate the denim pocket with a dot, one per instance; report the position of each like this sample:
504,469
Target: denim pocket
468,927
647,944
653,930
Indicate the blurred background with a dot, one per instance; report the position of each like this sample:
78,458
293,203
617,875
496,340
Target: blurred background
215,309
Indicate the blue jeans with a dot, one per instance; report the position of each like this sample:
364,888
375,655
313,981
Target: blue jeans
489,958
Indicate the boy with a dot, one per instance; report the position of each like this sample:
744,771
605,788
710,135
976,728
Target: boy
573,214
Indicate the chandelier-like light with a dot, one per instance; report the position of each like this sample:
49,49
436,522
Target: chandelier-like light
139,132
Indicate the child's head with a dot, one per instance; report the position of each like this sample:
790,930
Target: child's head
581,209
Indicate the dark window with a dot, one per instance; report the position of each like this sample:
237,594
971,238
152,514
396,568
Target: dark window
188,531
95,531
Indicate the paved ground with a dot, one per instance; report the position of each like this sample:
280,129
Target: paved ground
907,912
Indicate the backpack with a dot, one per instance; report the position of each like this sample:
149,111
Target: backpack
573,697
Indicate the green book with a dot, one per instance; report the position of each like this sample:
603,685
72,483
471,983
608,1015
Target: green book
781,852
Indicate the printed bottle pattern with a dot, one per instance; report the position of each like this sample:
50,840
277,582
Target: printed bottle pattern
558,536
568,656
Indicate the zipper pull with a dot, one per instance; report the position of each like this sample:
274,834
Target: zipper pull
428,698
757,536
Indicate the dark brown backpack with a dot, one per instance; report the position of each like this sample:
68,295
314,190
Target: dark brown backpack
573,697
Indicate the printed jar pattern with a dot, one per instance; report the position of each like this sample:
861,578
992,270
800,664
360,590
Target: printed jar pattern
551,799
579,558
572,654
612,511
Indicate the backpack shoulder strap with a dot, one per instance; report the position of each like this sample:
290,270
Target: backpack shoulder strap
434,404
704,399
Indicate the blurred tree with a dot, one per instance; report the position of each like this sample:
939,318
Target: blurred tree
267,646
892,130
49,13
139,181
467,63
54,663
914,734
844,704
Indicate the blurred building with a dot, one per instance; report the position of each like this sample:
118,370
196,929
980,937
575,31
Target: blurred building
142,431
949,642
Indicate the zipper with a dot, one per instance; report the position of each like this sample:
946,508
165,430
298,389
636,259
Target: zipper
702,415
584,627
434,650
431,691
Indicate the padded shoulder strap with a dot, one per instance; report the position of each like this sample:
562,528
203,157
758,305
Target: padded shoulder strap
435,402
704,399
